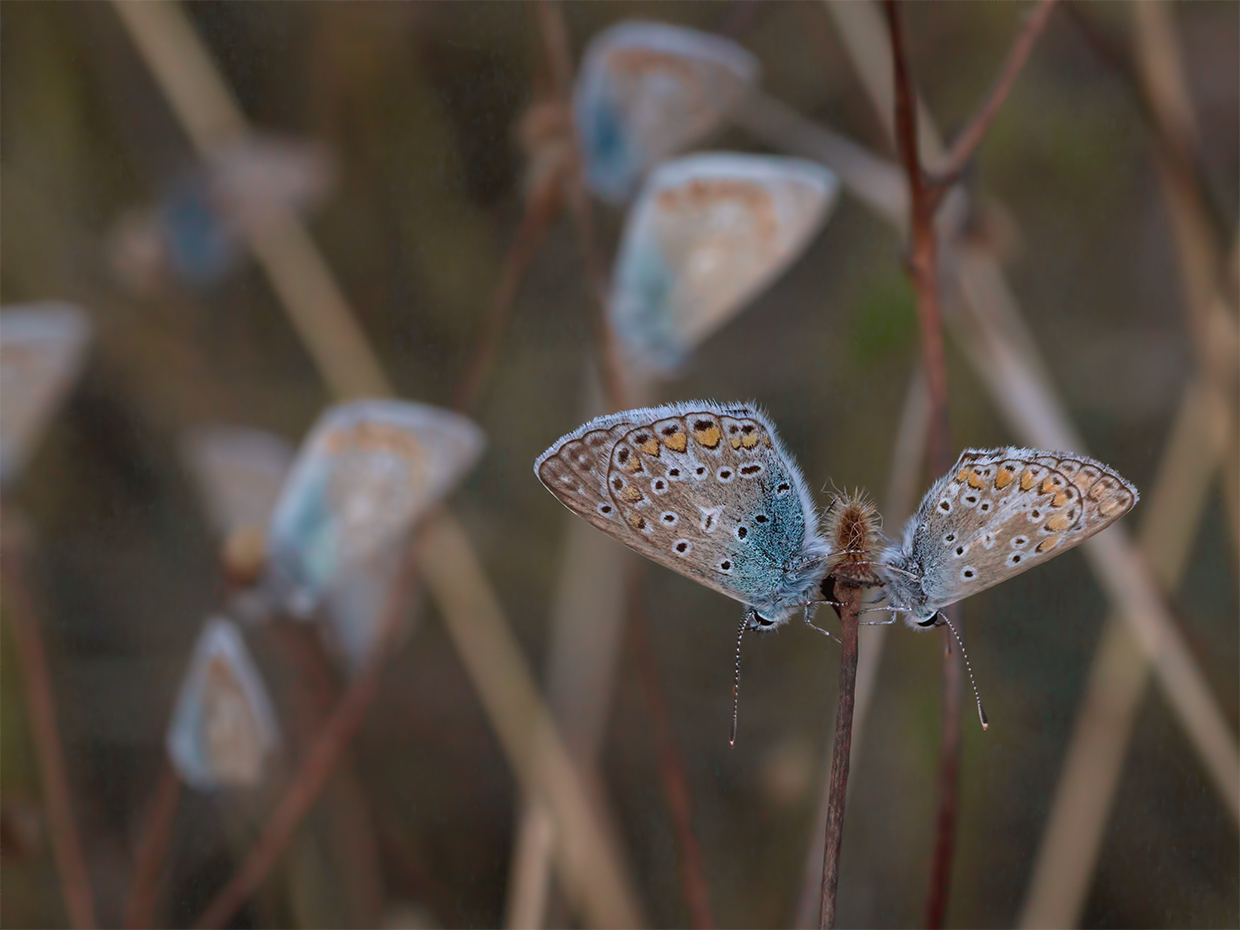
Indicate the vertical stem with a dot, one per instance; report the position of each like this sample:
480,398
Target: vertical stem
923,270
152,850
850,608
672,769
41,705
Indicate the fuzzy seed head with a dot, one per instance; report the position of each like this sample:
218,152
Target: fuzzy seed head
852,526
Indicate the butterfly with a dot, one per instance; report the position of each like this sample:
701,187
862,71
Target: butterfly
368,471
708,233
648,90
42,348
224,727
705,489
995,514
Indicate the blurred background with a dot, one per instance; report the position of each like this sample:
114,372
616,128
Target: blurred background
414,141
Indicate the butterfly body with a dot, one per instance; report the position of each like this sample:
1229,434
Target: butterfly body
995,514
704,489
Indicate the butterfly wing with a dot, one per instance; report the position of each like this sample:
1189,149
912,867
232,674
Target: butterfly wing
704,490
1000,512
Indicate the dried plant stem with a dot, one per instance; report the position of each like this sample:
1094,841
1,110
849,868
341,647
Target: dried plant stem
555,40
1072,838
315,768
923,271
540,209
967,142
849,598
671,766
152,851
41,705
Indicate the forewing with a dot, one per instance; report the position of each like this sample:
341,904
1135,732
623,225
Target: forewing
701,489
1000,512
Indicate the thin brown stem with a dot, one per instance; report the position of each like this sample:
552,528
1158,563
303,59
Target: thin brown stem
967,142
152,850
849,598
947,782
41,704
540,209
314,771
671,768
924,253
555,40
923,271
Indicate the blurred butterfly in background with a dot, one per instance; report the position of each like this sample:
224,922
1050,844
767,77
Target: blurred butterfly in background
196,235
223,728
365,475
647,91
42,346
708,233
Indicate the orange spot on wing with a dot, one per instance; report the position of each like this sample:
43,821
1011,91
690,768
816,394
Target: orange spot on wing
677,442
962,474
631,494
1048,485
750,440
1060,498
650,447
1047,545
708,437
976,480
1003,478
1058,523
1026,480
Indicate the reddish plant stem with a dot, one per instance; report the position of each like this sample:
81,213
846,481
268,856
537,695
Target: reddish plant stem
923,271
924,255
968,140
314,770
849,598
152,849
540,209
41,705
671,766
615,389
555,40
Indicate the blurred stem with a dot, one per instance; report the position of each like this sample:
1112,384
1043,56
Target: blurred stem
555,41
849,598
540,209
923,271
314,771
152,851
41,704
671,764
967,142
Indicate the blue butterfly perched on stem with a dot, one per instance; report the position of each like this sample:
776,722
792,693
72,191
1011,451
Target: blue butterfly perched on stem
709,491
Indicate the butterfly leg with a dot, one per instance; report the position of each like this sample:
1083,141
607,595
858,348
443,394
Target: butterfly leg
813,626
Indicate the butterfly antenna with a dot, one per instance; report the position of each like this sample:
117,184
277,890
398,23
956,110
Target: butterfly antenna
736,684
981,713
